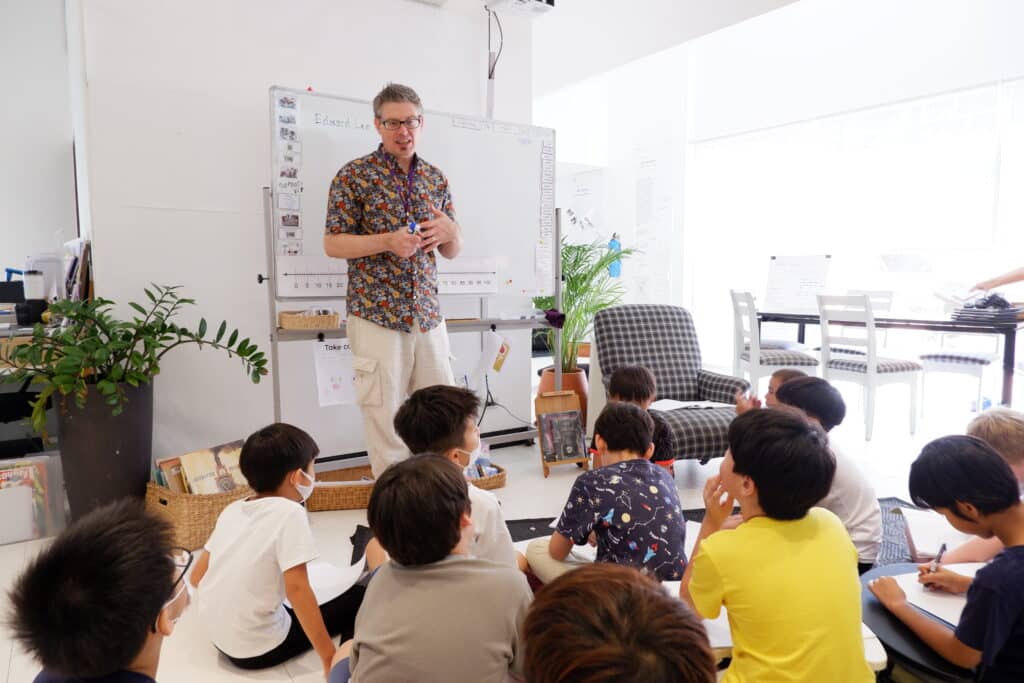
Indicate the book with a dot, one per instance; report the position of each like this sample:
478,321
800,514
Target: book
561,436
24,500
173,477
214,469
926,531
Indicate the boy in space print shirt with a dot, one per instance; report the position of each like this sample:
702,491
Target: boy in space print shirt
628,503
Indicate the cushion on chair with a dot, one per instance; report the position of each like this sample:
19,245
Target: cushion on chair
957,357
885,366
778,344
851,350
714,386
786,358
661,338
700,433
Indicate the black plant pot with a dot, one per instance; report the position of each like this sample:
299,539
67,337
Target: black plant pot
105,458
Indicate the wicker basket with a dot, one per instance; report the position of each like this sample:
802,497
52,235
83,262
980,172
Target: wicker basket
192,516
493,481
355,496
299,320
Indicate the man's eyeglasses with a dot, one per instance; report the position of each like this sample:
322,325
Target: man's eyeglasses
411,123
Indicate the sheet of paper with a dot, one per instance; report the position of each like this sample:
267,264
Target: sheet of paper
335,378
666,404
328,581
944,605
927,530
794,283
491,344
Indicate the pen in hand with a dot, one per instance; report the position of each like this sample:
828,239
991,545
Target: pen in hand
938,558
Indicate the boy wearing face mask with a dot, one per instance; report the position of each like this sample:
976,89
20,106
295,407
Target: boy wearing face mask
442,419
257,555
113,571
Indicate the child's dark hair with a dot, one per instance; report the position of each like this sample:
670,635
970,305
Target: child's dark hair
816,397
608,623
434,418
633,383
416,508
625,427
86,604
272,452
786,456
786,374
965,469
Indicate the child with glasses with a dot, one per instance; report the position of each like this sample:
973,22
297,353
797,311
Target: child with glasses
98,602
257,556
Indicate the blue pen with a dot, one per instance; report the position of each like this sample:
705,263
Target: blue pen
413,227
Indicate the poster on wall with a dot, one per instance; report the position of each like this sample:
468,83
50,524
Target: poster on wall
335,378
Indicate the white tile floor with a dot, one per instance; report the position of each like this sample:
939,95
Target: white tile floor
188,656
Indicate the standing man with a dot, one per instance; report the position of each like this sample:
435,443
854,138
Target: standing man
387,214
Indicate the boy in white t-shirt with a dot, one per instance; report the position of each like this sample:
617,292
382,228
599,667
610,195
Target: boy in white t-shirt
851,497
442,419
257,555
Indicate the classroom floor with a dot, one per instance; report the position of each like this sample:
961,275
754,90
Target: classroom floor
188,656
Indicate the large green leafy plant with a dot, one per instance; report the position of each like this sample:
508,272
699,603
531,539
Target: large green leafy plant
586,289
93,351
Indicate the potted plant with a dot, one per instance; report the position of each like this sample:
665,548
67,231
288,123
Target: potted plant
587,287
100,372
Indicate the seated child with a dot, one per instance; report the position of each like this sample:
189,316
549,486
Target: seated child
97,603
788,572
434,612
257,555
635,384
442,419
778,378
851,497
628,505
966,481
605,622
1003,430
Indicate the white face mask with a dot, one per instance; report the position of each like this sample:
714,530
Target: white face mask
306,490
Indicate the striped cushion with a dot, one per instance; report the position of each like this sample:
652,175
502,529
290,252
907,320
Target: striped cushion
786,358
885,366
958,357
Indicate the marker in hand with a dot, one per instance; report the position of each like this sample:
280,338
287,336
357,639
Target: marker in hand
934,567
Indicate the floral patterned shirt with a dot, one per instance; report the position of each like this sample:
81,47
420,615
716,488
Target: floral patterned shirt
369,196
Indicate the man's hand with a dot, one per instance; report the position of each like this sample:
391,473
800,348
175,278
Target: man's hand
888,592
403,244
746,403
438,230
718,504
943,579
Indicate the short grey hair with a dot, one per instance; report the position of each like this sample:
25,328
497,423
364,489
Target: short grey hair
395,92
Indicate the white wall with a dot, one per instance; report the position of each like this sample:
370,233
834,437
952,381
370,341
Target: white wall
819,57
37,188
584,38
177,109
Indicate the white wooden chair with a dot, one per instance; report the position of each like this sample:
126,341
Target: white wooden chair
749,356
848,322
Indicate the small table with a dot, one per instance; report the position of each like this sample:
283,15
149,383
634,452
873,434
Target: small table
1007,329
900,641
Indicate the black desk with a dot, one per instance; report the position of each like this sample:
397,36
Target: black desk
898,640
1007,330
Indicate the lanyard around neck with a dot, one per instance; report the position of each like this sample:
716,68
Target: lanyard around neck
404,189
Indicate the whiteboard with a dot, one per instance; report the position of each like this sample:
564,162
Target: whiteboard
501,177
794,283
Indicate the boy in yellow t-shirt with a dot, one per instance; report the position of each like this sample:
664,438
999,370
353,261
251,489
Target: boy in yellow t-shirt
788,573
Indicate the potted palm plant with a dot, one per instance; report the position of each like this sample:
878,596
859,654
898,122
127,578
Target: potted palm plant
587,287
100,372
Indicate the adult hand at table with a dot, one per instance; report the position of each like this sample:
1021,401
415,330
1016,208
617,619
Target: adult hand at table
943,579
888,592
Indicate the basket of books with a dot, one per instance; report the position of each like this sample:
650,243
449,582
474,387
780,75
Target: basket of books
347,489
193,515
315,319
495,480
193,489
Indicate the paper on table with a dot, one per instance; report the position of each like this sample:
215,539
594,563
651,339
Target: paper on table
927,531
665,404
945,606
329,581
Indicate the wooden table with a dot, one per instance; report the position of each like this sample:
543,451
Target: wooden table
1007,330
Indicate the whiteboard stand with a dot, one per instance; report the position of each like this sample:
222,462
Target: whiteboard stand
278,335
